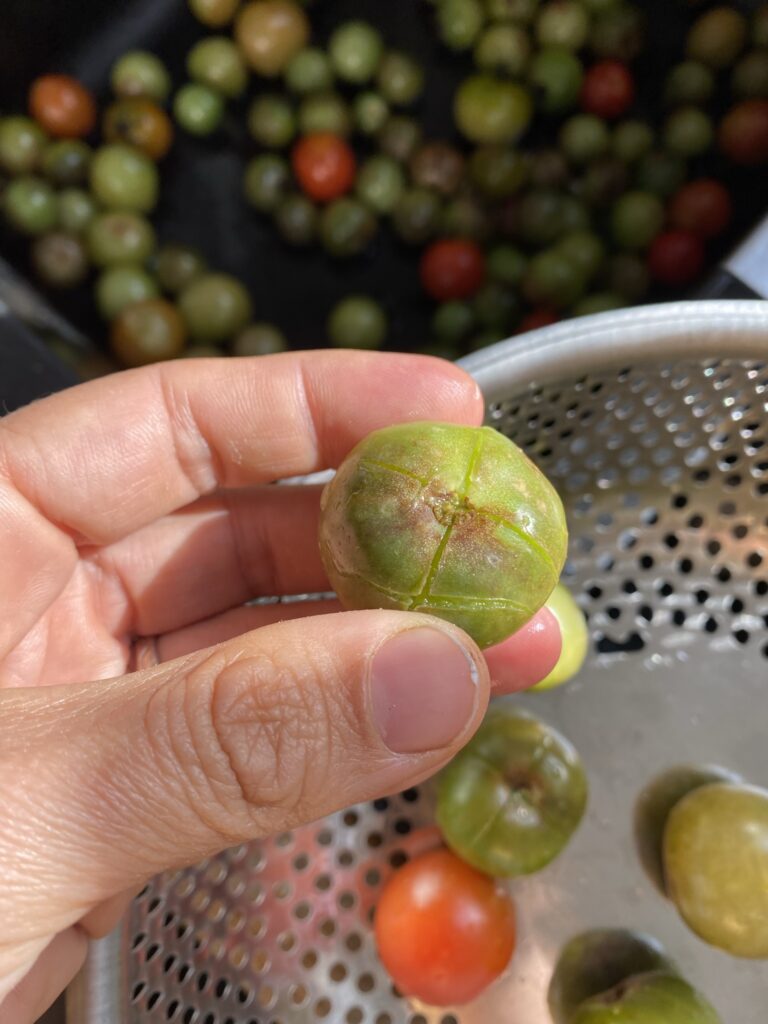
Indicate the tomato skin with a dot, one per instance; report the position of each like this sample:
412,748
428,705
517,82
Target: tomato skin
608,90
62,106
452,268
676,258
444,931
703,207
541,317
140,123
743,133
324,166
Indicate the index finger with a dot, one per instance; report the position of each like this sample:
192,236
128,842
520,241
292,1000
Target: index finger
105,458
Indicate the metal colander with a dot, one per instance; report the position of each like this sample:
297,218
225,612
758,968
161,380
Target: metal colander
653,425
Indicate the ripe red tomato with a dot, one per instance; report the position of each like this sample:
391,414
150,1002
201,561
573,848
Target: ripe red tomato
703,207
608,89
676,258
62,106
743,133
444,931
324,166
453,268
541,317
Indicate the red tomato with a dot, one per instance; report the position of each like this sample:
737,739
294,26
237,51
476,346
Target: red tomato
453,268
743,133
324,166
444,931
541,317
608,90
703,207
62,106
676,257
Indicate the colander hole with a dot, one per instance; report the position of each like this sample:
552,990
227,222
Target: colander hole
754,560
323,883
354,1015
671,540
284,839
222,988
168,963
309,959
169,919
713,547
210,1018
366,982
727,508
733,480
138,940
696,522
701,595
418,1018
402,826
678,617
153,950
286,941
723,574
646,612
301,910
350,818
190,1014
172,1009
324,837
183,931
679,500
266,997
353,942
327,927
137,990
243,995
347,900
765,650
202,981
381,804
372,877
410,795
260,961
741,636
649,517
184,972
613,612
736,606
345,858
323,1007
685,566
646,562
629,587
299,995
761,588
449,1019
154,999
710,626
398,858
383,1018
154,904
282,890
595,593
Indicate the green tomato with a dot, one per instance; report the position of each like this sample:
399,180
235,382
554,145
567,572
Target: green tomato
357,322
296,219
636,219
22,145
511,800
586,251
122,286
750,76
346,227
465,217
604,180
65,162
556,76
503,48
521,11
76,210
495,307
459,22
215,307
660,172
380,184
356,49
584,137
324,112
618,33
309,71
506,264
400,80
120,238
498,171
59,259
399,137
717,37
417,215
122,178
490,110
266,180
655,804
370,112
562,23
198,109
599,960
716,864
689,82
647,999
540,216
598,302
271,121
217,63
552,279
259,340
383,533
139,73
452,322
30,205
177,266
490,336
688,132
632,140
628,277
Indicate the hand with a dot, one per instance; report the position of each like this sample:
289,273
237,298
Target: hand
138,506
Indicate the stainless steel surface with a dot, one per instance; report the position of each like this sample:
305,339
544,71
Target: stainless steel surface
653,424
749,263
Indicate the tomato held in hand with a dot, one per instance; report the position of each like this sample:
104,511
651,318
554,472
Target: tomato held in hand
703,207
324,166
453,268
676,258
608,90
444,931
62,106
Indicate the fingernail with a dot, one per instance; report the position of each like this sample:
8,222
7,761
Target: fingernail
424,688
527,656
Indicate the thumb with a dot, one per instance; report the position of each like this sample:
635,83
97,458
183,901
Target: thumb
108,783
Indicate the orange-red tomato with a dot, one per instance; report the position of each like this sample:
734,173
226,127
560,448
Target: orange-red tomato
444,931
324,166
608,90
141,123
743,133
452,268
703,207
62,106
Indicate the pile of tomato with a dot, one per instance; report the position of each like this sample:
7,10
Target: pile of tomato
559,193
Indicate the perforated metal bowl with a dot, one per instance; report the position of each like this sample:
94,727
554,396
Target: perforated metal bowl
653,424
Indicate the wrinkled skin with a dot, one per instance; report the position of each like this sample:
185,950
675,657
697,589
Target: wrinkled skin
510,801
716,866
656,998
573,627
455,521
598,960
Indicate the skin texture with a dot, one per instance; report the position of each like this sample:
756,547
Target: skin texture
511,800
141,505
597,961
648,999
655,804
456,521
573,627
716,865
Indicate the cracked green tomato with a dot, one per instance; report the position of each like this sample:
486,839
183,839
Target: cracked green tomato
447,520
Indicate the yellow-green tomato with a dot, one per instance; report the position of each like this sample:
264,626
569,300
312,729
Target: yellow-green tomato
573,629
448,520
